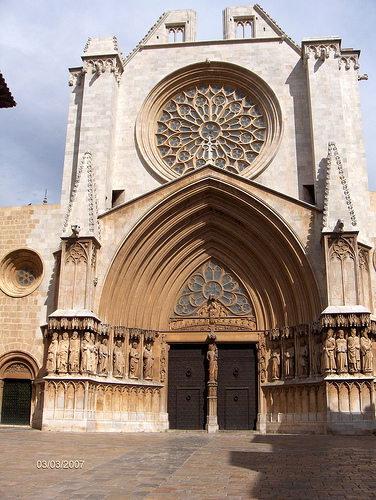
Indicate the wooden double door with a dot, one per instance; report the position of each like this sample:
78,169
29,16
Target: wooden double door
16,402
237,386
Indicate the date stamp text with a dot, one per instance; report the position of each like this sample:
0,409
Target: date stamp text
60,464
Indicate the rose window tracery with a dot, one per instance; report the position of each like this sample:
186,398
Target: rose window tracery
25,276
212,281
212,123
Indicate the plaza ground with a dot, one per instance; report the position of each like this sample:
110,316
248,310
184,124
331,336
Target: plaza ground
184,465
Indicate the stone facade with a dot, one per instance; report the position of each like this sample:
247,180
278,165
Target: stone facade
214,197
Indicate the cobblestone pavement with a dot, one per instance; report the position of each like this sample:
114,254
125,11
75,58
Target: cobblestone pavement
184,465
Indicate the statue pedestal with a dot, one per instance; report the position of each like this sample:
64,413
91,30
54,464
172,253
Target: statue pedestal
211,419
211,424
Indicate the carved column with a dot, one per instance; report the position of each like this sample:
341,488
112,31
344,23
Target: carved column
212,385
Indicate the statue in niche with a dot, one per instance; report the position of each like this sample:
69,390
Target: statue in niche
329,352
212,357
119,359
94,354
289,361
366,351
86,353
52,354
341,352
103,358
74,353
148,362
303,358
62,354
275,359
353,349
134,358
317,355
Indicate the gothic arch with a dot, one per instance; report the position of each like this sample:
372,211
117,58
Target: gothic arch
209,218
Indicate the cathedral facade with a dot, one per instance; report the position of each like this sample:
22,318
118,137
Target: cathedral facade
212,262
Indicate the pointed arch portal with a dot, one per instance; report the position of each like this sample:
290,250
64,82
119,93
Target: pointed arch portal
203,220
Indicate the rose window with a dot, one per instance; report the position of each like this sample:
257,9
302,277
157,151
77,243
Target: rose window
210,123
25,276
213,281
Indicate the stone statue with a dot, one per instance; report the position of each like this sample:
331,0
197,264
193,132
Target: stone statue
52,354
86,353
276,362
134,358
366,351
329,350
289,361
353,349
103,358
62,354
148,362
303,358
74,353
317,354
119,360
341,352
212,357
94,354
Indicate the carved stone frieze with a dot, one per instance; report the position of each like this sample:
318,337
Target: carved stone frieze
17,368
221,324
349,61
322,50
99,66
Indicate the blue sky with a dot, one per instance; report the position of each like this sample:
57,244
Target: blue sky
41,39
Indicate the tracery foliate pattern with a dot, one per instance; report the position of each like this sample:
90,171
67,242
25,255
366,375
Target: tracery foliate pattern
212,280
210,122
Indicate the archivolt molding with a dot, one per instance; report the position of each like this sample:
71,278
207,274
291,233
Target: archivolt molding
209,73
192,226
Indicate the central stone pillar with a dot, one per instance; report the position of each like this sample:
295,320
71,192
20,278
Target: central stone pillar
212,418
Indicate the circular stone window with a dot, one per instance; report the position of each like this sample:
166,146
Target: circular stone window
210,113
21,272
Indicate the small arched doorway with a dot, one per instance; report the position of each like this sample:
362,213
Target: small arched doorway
17,372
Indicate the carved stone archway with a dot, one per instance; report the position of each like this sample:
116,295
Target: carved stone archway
19,366
206,215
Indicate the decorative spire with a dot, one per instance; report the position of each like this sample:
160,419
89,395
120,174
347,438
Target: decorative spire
338,213
83,207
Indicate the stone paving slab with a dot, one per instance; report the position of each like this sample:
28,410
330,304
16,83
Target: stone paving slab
185,466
